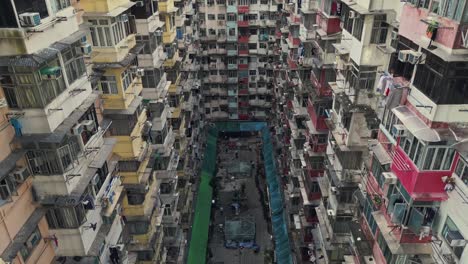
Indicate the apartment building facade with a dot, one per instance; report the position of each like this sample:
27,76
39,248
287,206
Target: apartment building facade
421,187
53,111
236,51
25,233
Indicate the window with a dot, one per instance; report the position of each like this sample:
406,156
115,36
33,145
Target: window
443,82
451,232
362,77
231,17
221,17
379,29
66,217
211,17
7,187
421,3
221,2
109,32
438,158
353,25
264,2
108,85
23,6
151,78
138,228
253,2
252,72
145,255
167,210
127,78
74,64
462,170
58,5
135,198
31,243
435,6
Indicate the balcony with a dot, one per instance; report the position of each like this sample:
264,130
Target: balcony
243,9
232,66
232,52
243,23
243,66
169,37
231,9
243,52
243,39
398,240
166,6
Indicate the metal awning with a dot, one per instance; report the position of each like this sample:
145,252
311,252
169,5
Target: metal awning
74,37
381,154
113,13
415,125
9,163
23,234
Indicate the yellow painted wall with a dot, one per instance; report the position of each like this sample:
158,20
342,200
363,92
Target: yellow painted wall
124,98
115,53
127,147
101,5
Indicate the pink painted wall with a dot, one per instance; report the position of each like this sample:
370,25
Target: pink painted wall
427,184
13,215
412,28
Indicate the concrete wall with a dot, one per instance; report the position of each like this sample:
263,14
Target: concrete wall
18,41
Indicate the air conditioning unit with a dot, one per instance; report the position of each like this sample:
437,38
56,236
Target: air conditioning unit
403,55
330,213
30,19
88,124
78,129
414,57
51,73
455,239
353,14
158,32
389,177
398,131
335,190
139,3
123,18
86,49
20,174
394,35
140,72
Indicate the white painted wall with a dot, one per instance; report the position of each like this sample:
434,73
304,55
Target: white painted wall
50,32
456,208
438,113
37,121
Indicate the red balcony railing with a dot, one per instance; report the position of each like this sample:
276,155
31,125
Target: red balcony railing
243,91
243,39
243,23
425,185
242,9
317,121
294,40
243,66
243,117
243,104
244,52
